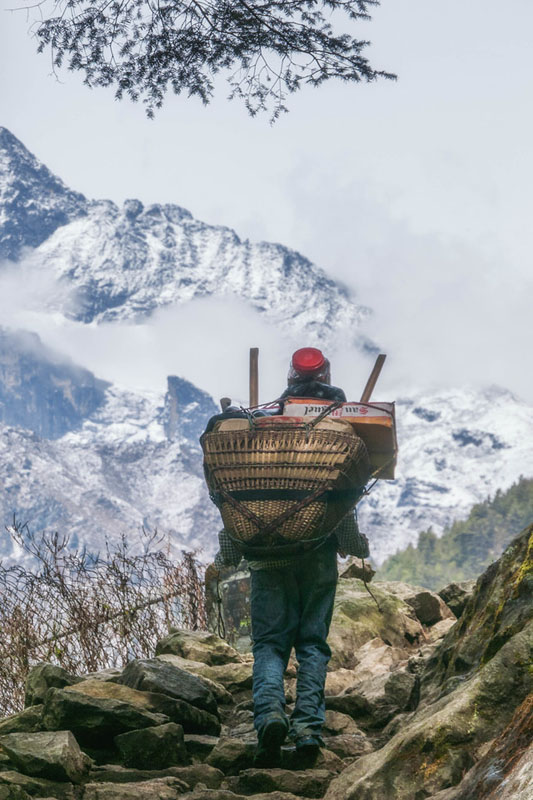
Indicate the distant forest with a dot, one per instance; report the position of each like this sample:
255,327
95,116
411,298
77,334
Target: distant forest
467,547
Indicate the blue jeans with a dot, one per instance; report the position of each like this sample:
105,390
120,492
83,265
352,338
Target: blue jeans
292,607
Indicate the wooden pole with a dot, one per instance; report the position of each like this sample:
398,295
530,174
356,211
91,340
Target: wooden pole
254,376
374,375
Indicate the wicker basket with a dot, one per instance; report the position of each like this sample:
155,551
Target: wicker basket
257,474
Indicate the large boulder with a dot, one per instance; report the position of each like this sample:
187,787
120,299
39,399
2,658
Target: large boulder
457,595
193,720
202,646
233,677
505,770
163,677
94,719
470,688
153,748
27,721
357,620
46,676
39,787
219,692
54,755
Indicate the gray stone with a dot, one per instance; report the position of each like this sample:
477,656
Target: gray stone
27,721
202,646
14,793
53,755
193,720
93,718
198,746
158,789
153,748
192,775
457,595
45,676
220,694
428,607
39,787
349,745
154,675
303,783
232,755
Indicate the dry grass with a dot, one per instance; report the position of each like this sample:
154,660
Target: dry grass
89,612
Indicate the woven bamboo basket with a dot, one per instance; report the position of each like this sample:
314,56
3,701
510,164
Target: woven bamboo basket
271,467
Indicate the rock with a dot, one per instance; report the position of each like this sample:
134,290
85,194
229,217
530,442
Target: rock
506,768
220,694
158,789
303,783
351,703
232,755
457,595
201,646
192,775
198,746
14,793
233,677
439,743
153,675
53,755
43,677
439,630
94,718
356,568
357,620
193,719
153,748
27,721
429,607
338,723
349,745
371,659
39,787
103,675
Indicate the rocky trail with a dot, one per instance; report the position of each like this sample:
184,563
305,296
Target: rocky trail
425,699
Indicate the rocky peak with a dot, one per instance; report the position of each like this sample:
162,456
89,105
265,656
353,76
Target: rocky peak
186,411
40,391
33,201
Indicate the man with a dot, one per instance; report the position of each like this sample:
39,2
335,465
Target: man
291,606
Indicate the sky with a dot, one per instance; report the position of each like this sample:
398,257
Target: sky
416,194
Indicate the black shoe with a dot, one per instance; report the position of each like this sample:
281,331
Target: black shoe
271,737
307,751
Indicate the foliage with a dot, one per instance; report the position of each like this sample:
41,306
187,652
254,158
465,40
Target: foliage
266,48
467,547
89,612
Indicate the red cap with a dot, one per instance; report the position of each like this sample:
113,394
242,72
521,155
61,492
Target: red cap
308,360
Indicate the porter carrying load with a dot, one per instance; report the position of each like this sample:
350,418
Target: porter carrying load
284,475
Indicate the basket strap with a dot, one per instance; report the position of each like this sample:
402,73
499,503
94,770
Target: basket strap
271,526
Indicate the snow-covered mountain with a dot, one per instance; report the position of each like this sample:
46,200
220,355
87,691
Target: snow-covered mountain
103,468
124,263
90,458
456,448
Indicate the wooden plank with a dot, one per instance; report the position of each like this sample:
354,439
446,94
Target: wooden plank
254,376
374,375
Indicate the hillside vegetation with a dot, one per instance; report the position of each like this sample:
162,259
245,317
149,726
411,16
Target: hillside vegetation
468,546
